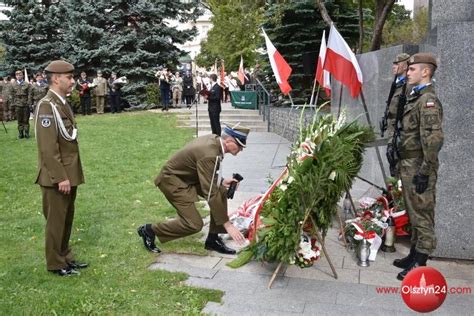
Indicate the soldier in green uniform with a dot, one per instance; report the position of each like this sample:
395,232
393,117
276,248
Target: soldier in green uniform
59,167
19,100
38,90
420,141
5,87
192,172
399,69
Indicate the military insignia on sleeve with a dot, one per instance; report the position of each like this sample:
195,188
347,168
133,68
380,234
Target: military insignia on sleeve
46,122
429,104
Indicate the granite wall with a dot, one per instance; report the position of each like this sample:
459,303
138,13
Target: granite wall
451,39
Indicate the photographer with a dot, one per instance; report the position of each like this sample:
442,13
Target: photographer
195,171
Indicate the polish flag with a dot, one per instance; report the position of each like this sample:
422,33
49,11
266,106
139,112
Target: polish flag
322,76
222,74
342,63
280,67
241,73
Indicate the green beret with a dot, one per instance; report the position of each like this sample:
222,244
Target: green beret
423,58
401,57
59,67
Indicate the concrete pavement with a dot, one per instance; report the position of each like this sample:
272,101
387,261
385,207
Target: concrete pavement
308,291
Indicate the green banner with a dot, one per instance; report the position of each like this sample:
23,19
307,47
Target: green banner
244,99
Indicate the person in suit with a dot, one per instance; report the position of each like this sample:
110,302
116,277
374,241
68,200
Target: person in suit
59,167
195,171
214,105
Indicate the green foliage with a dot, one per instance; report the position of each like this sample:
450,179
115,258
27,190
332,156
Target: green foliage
406,31
129,37
295,28
74,100
235,32
308,195
121,155
153,94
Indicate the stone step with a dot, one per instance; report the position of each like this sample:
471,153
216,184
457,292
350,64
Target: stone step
207,127
229,116
244,121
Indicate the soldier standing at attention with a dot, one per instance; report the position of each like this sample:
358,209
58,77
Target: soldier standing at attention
195,171
38,90
59,167
19,99
83,85
399,69
100,84
421,139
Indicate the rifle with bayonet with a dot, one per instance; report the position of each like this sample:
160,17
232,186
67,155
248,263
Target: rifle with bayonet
393,153
383,122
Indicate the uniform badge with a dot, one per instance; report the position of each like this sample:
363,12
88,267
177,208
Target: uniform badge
46,122
429,105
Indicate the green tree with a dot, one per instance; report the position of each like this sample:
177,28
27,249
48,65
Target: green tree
129,37
295,28
235,33
404,30
32,35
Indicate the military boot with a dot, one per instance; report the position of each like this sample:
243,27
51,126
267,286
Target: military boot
20,134
420,261
27,133
404,263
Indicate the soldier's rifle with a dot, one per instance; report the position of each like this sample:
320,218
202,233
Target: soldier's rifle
393,153
383,122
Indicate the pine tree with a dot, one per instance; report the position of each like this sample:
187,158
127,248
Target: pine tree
129,37
32,35
295,28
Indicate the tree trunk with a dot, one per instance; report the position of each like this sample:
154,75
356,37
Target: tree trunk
382,9
324,12
361,27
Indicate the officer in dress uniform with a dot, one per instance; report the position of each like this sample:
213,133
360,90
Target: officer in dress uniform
59,167
192,172
420,141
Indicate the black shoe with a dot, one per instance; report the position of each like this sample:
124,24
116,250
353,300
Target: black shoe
20,135
420,261
218,245
65,272
77,265
148,239
404,263
27,134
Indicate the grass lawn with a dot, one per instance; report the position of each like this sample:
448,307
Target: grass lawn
121,155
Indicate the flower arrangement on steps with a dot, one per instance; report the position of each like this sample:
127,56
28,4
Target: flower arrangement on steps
320,168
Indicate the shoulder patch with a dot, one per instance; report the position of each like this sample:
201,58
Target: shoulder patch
46,122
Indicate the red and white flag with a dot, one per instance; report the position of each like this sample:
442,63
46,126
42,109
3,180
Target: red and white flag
342,63
322,76
241,73
222,74
280,67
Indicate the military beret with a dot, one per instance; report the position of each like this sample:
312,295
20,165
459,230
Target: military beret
59,67
239,133
423,58
401,57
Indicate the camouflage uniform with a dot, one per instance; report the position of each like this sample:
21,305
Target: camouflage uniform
19,99
4,91
421,139
393,106
37,92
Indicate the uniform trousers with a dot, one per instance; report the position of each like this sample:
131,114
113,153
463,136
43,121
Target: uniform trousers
23,118
100,103
420,207
85,105
189,221
58,210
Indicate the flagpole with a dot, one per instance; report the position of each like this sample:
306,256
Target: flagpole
283,134
340,101
312,92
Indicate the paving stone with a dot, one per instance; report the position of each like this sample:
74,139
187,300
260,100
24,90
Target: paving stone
327,286
205,262
337,310
318,272
382,302
380,278
252,267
